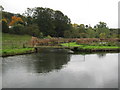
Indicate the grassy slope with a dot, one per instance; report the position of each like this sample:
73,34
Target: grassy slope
13,44
88,46
10,41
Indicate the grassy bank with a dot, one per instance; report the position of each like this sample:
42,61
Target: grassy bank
18,44
89,47
11,52
15,45
11,41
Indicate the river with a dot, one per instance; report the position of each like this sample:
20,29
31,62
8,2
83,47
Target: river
55,68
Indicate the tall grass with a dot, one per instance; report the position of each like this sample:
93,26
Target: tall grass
11,41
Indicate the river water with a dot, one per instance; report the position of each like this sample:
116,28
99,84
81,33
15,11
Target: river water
57,69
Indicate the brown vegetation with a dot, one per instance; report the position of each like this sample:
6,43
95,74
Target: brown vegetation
56,41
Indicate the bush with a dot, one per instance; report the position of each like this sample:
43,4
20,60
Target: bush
48,37
18,29
5,28
33,30
102,35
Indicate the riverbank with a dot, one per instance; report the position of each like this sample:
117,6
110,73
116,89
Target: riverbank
90,48
13,44
76,49
13,52
18,45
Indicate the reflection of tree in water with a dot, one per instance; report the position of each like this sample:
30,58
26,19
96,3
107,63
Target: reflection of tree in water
48,61
101,55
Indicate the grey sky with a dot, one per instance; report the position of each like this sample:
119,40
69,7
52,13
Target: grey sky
79,11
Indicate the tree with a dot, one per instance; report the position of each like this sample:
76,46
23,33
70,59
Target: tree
7,16
102,28
33,30
15,20
81,31
29,16
81,28
67,34
18,29
5,27
102,35
90,33
72,33
50,22
62,23
44,18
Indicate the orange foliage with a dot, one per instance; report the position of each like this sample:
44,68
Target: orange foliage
15,19
4,20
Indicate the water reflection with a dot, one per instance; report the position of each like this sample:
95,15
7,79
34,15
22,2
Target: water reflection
42,62
46,62
58,69
101,55
0,72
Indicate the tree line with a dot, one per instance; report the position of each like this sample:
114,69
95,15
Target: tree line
100,30
42,22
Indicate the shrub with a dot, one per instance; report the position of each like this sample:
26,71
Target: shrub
48,37
18,29
33,30
5,28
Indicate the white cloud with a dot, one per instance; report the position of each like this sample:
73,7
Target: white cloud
80,11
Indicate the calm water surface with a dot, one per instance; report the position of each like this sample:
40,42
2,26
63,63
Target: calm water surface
58,69
0,72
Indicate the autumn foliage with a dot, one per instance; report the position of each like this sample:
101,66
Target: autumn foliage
4,20
15,20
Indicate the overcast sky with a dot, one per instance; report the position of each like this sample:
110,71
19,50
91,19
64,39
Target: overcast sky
79,11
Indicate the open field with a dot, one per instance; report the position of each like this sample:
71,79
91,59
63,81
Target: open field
15,44
11,41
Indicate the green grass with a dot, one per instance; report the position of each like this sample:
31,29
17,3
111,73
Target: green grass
16,51
74,44
100,47
13,44
11,41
